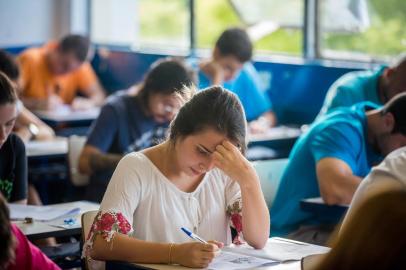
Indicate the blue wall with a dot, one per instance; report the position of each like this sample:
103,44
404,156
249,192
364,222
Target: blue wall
297,90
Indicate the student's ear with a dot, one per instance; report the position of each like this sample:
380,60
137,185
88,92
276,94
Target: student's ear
216,53
388,122
388,72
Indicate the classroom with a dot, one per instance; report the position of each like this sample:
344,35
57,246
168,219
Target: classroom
202,134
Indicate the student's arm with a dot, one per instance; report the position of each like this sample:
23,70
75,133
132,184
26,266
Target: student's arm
336,180
92,160
255,213
129,249
95,154
24,119
263,123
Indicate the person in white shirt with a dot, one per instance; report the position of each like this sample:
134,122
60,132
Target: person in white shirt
389,175
198,178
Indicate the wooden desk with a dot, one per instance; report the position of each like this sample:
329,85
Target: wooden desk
317,206
293,249
39,230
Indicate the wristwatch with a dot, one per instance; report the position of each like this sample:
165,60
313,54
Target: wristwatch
33,129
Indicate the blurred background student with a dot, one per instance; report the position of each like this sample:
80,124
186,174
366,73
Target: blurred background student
13,161
134,121
373,237
27,125
53,74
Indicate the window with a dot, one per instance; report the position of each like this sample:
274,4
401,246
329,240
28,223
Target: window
274,26
362,29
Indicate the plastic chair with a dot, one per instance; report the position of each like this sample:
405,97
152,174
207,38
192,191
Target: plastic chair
270,173
75,145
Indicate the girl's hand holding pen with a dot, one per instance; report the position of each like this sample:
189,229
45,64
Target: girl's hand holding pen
195,254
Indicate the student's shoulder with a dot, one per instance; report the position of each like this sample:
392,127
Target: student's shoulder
31,55
15,142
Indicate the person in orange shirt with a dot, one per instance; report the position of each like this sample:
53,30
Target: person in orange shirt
53,74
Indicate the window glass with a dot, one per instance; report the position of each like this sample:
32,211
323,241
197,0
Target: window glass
362,29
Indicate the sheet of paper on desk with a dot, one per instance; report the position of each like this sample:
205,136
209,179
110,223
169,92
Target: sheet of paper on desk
227,260
40,213
280,249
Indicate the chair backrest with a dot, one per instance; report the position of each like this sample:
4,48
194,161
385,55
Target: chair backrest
87,221
75,145
270,173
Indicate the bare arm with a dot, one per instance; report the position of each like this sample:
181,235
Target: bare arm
255,213
125,248
95,97
92,160
24,119
263,123
337,183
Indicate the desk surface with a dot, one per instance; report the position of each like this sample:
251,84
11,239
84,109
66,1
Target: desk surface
322,210
281,249
38,229
66,114
56,147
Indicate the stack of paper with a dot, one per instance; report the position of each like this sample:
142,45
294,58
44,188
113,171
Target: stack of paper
40,213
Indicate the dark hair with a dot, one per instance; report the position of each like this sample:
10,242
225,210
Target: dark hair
8,65
397,107
373,238
8,92
7,241
76,44
213,107
235,42
167,76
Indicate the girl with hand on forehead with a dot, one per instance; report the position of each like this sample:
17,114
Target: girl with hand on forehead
198,178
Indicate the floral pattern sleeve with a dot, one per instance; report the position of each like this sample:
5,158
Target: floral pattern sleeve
106,224
235,212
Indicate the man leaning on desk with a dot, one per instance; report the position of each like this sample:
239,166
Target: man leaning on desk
331,159
52,75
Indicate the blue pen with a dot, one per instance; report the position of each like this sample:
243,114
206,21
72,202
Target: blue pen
193,236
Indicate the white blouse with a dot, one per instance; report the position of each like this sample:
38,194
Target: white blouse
157,209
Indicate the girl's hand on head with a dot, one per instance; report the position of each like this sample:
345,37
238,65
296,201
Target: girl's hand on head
195,254
231,161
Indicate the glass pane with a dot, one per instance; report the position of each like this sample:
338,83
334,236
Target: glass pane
164,24
273,25
362,29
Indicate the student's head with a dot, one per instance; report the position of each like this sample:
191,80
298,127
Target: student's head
212,116
166,86
394,79
7,241
70,52
9,66
374,237
8,107
393,125
233,48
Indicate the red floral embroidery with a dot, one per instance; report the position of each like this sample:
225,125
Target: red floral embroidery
234,211
106,224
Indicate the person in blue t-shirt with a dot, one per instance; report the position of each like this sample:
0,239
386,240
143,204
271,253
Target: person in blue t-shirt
377,86
332,157
230,67
133,121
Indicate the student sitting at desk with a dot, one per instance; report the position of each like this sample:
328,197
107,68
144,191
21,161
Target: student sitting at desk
197,179
372,239
230,66
51,75
377,86
13,161
16,252
132,122
331,159
27,126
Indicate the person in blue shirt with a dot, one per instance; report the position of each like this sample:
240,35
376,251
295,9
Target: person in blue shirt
332,157
134,120
377,86
230,67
